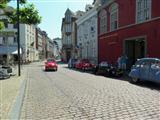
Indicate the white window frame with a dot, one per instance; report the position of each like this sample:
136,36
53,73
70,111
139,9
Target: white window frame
113,10
142,10
103,21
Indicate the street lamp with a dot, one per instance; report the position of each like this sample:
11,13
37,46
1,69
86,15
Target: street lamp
18,40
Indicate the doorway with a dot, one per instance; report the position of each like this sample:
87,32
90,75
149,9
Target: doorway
135,49
68,55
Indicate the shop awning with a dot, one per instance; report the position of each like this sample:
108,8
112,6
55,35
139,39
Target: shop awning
4,50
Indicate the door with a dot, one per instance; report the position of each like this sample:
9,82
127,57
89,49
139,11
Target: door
144,70
134,49
68,55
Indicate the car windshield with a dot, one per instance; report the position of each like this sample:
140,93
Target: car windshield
104,63
50,60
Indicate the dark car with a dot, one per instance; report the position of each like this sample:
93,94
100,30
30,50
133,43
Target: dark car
106,69
102,68
146,69
51,64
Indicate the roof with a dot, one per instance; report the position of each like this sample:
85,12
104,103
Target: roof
9,50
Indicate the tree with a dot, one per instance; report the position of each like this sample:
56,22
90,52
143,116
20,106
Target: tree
28,13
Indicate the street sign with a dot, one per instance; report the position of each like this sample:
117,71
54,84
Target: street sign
7,33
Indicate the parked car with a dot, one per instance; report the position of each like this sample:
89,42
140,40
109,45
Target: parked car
108,70
72,63
51,64
84,64
114,71
146,69
4,73
102,68
8,69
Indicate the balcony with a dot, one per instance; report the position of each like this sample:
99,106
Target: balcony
66,46
68,33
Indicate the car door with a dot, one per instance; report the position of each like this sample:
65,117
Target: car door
144,70
155,71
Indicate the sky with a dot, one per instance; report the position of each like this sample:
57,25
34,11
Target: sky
52,12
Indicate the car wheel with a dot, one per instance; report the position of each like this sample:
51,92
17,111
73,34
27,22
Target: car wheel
56,69
134,80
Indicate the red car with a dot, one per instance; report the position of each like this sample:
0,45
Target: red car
51,65
84,64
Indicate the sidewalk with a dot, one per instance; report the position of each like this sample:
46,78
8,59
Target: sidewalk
9,89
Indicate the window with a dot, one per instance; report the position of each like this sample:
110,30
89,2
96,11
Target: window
15,40
68,28
114,16
103,21
68,18
145,64
6,24
143,10
4,41
1,40
15,26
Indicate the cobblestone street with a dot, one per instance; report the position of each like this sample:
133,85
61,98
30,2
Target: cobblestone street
72,95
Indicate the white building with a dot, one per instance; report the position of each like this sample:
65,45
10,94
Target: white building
27,42
57,47
87,34
8,40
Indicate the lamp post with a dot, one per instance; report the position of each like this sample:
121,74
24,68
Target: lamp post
87,48
18,40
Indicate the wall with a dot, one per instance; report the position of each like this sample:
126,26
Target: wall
112,43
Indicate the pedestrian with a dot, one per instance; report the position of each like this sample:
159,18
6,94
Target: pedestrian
124,60
119,62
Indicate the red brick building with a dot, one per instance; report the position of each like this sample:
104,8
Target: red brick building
130,27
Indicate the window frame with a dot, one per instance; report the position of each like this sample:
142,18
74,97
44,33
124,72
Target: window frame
114,10
103,21
143,10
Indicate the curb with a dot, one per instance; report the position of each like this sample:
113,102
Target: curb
16,109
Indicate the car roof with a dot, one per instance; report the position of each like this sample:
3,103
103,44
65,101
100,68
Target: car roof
148,59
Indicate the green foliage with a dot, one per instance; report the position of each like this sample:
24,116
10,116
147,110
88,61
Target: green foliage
6,1
1,25
28,14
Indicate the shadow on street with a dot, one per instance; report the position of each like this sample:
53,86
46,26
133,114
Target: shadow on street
150,85
146,84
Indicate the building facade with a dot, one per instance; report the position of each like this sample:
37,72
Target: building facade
28,42
57,47
49,48
128,27
87,34
40,38
68,31
8,41
8,44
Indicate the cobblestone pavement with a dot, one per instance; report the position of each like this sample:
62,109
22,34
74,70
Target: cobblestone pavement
9,89
73,95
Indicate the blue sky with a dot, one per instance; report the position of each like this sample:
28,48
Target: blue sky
52,12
